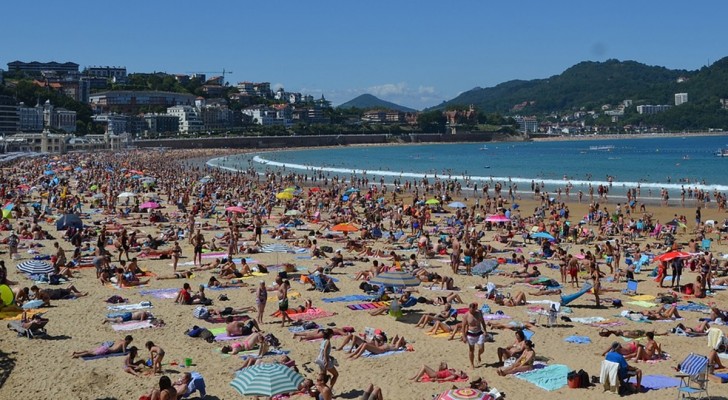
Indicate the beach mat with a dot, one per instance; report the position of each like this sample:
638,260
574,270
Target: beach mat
222,320
657,382
311,314
368,306
578,339
170,293
550,378
89,358
132,325
130,307
353,297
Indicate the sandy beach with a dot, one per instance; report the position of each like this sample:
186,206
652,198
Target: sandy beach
43,368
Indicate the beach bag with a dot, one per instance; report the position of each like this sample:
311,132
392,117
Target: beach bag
206,335
272,340
194,332
327,249
583,379
54,280
574,380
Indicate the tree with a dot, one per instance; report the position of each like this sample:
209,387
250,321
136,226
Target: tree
432,122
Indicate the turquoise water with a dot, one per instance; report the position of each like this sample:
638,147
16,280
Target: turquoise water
651,164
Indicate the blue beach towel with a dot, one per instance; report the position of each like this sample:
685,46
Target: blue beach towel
657,382
89,358
578,339
552,377
353,297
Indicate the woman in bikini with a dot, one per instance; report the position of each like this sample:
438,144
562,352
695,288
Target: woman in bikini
254,339
429,318
443,374
319,333
522,363
518,299
631,334
379,346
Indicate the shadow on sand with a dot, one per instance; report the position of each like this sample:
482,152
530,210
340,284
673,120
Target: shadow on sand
7,365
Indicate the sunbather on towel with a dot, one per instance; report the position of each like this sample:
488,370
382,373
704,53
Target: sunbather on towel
176,275
55,294
662,313
249,343
181,385
239,328
379,347
428,318
165,392
522,363
117,318
518,299
224,312
631,334
443,374
357,340
319,333
651,350
512,325
110,347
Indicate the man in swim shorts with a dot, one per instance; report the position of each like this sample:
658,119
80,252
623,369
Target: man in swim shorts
110,347
239,328
128,316
474,332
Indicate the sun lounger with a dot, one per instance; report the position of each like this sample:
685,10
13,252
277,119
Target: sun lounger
30,333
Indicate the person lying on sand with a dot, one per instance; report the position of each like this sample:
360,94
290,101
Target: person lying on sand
239,328
110,347
631,334
379,347
128,316
519,299
252,341
512,325
443,374
224,312
176,275
319,333
46,295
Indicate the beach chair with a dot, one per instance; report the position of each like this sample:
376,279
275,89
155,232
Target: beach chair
197,384
693,376
631,289
644,259
36,329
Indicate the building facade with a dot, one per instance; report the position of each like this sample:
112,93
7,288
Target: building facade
133,101
189,118
35,67
106,72
31,118
160,124
9,115
681,98
648,109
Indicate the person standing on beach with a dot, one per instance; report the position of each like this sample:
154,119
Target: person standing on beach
474,330
198,241
176,254
258,225
283,302
261,297
595,275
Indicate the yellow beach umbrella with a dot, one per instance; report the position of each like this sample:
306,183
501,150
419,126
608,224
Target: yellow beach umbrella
284,196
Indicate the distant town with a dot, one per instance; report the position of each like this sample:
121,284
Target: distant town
58,107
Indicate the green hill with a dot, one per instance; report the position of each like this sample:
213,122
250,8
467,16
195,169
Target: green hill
368,101
589,85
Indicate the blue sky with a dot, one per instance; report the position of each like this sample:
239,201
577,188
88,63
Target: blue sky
417,53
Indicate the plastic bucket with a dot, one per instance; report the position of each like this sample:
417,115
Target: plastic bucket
188,362
574,381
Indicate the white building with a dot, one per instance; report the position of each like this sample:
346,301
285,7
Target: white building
59,118
116,124
189,118
650,109
31,118
681,98
269,116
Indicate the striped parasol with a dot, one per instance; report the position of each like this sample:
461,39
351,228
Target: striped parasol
395,278
35,267
276,248
266,380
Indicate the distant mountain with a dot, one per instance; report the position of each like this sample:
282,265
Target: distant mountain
368,101
590,85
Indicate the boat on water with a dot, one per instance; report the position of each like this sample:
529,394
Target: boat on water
601,148
722,152
484,147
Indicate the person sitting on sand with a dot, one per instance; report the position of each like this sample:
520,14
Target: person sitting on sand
127,279
117,318
176,275
443,374
164,392
700,330
319,333
625,370
452,298
523,363
514,350
184,296
650,351
662,313
110,347
372,393
518,300
130,365
357,340
46,295
239,328
181,385
253,340
429,318
379,347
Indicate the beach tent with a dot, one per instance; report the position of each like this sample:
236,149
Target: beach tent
69,221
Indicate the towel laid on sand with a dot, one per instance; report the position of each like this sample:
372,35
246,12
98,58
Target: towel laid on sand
311,314
132,325
657,382
353,297
552,377
169,293
368,306
130,307
697,307
578,339
641,303
89,358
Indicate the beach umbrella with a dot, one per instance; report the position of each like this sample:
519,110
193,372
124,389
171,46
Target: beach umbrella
126,194
9,206
463,394
266,380
670,255
432,202
6,295
149,204
395,278
284,196
7,213
315,189
542,235
456,204
98,196
346,227
68,221
351,191
276,248
235,209
206,179
497,218
485,267
293,213
35,267
49,172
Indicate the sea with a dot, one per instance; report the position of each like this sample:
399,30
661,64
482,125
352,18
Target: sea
649,164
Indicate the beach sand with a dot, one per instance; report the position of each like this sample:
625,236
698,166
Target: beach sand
44,369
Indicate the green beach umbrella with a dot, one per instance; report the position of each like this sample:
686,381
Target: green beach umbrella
266,380
432,201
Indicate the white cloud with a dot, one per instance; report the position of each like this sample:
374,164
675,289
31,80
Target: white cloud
388,89
426,90
276,86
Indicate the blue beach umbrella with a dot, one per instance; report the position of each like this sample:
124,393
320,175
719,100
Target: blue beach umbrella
266,380
456,204
395,278
542,235
485,267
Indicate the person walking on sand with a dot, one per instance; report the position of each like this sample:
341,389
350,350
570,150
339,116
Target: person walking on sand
261,297
283,302
176,253
198,242
324,360
475,329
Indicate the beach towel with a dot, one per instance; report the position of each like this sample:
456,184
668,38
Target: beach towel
657,382
645,304
169,293
353,297
130,307
221,335
697,307
291,295
32,304
311,314
643,297
89,358
368,306
495,317
367,354
222,320
578,339
301,328
552,377
132,325
588,320
438,334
